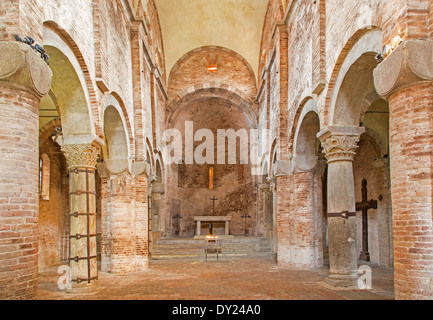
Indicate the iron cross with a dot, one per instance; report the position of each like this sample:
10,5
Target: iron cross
364,206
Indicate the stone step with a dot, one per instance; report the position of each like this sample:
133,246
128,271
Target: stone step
230,248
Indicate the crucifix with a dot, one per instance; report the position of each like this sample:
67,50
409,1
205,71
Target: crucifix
177,217
213,213
214,199
364,206
246,216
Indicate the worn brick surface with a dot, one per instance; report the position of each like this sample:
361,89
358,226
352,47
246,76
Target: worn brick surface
119,50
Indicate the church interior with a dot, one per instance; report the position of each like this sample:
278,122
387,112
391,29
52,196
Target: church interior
222,149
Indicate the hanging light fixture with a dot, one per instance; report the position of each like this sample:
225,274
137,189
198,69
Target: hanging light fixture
212,68
211,63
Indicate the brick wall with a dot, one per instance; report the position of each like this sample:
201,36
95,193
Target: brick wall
189,183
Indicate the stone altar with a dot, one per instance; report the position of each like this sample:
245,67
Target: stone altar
201,219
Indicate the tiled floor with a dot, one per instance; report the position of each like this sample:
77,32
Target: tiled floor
243,279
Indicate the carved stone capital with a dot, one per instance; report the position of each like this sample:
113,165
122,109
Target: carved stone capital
410,64
158,188
81,155
340,143
21,65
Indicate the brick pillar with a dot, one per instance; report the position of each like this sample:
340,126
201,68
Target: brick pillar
340,144
124,217
299,215
81,162
405,80
24,79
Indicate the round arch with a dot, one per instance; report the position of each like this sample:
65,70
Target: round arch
70,85
116,147
354,68
117,129
191,95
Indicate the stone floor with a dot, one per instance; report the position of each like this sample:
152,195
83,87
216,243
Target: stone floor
242,279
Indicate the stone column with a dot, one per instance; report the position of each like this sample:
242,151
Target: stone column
158,189
404,79
274,198
267,209
81,161
340,144
24,79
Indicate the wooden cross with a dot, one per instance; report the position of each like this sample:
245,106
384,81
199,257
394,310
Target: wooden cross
364,206
246,216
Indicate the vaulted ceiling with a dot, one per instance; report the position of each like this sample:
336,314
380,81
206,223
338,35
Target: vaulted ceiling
190,24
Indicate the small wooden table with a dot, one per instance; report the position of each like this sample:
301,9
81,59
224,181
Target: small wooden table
225,219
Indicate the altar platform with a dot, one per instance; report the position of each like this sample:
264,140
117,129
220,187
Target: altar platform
232,247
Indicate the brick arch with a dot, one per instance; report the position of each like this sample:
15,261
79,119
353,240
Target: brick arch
237,74
90,83
265,165
213,91
121,108
149,149
307,103
159,162
339,72
47,130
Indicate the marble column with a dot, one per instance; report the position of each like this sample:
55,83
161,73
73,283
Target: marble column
81,161
405,80
24,79
340,145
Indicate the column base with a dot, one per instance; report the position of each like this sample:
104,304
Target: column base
84,288
342,281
